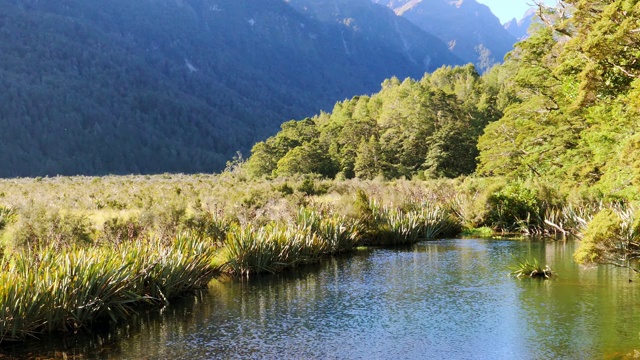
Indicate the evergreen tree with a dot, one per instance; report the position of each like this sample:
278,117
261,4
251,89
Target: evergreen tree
367,164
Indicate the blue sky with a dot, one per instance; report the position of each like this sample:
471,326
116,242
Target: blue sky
506,10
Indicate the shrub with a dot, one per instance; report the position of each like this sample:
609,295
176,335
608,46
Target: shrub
7,215
514,207
118,229
39,226
207,224
600,237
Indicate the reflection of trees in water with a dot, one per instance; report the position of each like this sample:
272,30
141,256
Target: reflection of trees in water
444,293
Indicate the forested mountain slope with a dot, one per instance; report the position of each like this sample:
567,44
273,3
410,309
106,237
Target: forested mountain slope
564,109
427,128
519,29
379,26
472,32
148,86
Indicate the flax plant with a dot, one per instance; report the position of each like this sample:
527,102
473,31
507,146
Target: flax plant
394,226
248,250
67,289
271,248
531,269
437,221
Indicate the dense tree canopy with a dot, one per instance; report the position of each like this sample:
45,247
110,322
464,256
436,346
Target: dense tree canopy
116,86
426,128
564,108
578,84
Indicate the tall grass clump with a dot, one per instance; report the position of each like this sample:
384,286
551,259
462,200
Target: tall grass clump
67,289
438,221
271,248
393,226
249,250
531,269
336,233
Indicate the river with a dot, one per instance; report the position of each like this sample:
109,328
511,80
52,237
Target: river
448,299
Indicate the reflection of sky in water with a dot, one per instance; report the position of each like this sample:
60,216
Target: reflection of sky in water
446,299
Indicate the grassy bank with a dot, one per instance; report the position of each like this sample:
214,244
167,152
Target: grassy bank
67,289
80,251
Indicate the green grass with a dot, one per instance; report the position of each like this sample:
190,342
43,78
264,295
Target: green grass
479,232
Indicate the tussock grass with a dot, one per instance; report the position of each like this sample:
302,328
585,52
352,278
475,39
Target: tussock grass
271,248
531,269
66,289
76,250
392,226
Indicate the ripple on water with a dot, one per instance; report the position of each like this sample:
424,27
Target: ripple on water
444,299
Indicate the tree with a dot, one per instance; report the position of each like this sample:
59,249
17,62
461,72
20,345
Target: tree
367,164
309,158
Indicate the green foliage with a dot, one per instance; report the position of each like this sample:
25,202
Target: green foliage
368,159
65,290
602,233
248,250
428,127
285,189
7,215
612,236
307,187
309,158
478,232
514,205
531,269
392,226
118,229
40,226
574,116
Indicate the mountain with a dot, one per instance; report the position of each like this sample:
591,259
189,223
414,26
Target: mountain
378,26
519,28
470,29
149,86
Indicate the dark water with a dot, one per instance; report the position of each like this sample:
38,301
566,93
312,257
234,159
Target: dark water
450,299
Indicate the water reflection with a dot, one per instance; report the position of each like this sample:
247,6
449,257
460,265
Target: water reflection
445,299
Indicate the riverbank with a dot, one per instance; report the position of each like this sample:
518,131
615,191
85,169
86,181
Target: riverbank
446,291
68,286
76,251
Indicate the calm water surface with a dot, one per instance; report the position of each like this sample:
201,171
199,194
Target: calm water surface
450,299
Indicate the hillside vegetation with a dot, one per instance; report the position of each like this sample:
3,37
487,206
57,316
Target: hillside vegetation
563,108
118,87
427,128
546,144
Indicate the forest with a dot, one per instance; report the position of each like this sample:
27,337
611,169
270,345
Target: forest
546,144
146,87
562,109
